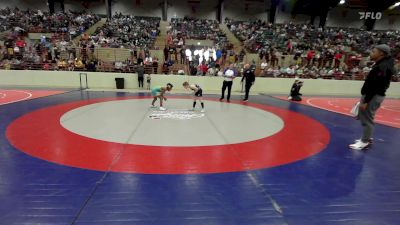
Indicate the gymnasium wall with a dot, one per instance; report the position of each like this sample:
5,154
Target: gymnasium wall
207,9
241,10
344,17
286,17
25,4
389,21
203,9
138,7
337,17
94,7
107,81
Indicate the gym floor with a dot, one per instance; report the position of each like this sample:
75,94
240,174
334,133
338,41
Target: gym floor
104,158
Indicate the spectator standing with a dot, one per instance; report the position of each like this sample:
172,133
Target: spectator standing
148,80
166,52
373,92
182,55
140,72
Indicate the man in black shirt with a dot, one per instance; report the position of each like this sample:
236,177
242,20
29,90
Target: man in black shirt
166,53
248,75
373,92
140,72
139,60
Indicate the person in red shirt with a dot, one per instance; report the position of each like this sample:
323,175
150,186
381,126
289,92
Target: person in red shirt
21,45
310,56
289,46
203,68
338,56
169,39
46,66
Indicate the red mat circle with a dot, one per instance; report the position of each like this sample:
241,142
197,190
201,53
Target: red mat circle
41,135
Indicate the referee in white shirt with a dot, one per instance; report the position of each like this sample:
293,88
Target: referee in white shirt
229,75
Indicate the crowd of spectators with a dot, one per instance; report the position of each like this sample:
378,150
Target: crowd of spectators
314,52
55,53
260,37
125,31
284,50
198,59
48,54
36,21
199,29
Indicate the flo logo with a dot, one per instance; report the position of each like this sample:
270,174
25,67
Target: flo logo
370,15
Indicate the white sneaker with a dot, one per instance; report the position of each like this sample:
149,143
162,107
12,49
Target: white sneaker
203,110
369,141
162,109
153,106
359,145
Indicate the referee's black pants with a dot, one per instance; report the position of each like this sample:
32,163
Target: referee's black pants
226,84
247,89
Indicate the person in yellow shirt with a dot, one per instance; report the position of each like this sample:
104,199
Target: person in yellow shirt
79,64
7,65
62,64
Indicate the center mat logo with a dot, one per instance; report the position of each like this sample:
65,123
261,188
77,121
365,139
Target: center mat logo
175,115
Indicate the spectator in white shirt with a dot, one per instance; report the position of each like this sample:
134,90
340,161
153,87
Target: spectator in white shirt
290,71
300,71
148,60
283,70
211,71
276,71
366,69
118,66
330,72
181,72
263,65
323,72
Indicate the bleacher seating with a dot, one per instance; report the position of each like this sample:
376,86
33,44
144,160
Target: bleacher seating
128,31
200,29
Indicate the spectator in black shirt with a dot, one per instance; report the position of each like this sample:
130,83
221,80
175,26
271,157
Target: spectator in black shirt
140,72
373,92
139,60
166,53
91,66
